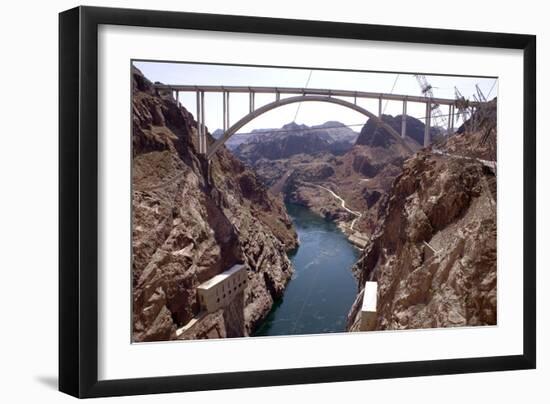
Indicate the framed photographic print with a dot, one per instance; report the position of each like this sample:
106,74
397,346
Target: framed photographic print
251,201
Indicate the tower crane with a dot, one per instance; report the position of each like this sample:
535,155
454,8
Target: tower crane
427,91
462,105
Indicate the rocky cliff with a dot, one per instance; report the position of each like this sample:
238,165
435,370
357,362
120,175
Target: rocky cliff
193,220
375,135
433,254
477,137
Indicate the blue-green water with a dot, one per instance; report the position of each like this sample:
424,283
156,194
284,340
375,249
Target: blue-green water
319,295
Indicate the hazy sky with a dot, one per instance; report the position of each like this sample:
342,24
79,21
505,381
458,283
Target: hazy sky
309,113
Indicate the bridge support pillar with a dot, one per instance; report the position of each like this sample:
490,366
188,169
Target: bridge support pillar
198,118
427,137
452,118
449,120
225,110
201,128
227,115
404,119
203,131
380,107
251,101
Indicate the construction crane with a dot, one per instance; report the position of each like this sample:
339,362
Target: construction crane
471,115
427,91
481,97
462,105
483,115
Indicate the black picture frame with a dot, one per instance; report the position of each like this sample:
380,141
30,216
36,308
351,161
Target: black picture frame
78,201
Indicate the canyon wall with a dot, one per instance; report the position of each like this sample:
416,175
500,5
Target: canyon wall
433,254
192,220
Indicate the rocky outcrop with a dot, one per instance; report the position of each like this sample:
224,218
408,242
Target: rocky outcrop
318,200
477,137
374,135
193,220
434,252
309,167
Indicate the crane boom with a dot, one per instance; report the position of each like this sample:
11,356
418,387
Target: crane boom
427,91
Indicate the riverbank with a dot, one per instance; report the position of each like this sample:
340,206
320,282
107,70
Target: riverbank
358,239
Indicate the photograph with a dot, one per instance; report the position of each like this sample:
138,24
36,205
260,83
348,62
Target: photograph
273,201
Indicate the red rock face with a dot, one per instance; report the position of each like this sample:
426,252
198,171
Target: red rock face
450,204
377,136
192,220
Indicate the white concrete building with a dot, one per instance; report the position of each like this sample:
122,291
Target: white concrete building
218,291
359,240
368,309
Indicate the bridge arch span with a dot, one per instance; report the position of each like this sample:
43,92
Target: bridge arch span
290,100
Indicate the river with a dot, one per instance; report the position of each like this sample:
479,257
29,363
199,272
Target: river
319,295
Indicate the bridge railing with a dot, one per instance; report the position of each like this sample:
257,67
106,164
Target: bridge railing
308,91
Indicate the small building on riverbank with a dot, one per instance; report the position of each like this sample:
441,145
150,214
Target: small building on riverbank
359,240
368,309
220,290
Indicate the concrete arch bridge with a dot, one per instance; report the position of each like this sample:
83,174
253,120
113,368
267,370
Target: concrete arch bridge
294,95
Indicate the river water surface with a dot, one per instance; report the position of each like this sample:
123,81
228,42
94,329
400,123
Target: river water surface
319,295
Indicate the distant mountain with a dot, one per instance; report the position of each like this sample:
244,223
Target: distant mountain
333,137
337,131
217,133
374,135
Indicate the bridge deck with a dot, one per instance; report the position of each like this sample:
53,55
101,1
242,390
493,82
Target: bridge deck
307,91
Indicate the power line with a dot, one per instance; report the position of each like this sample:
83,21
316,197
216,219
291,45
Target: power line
309,129
492,87
300,104
300,130
391,92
